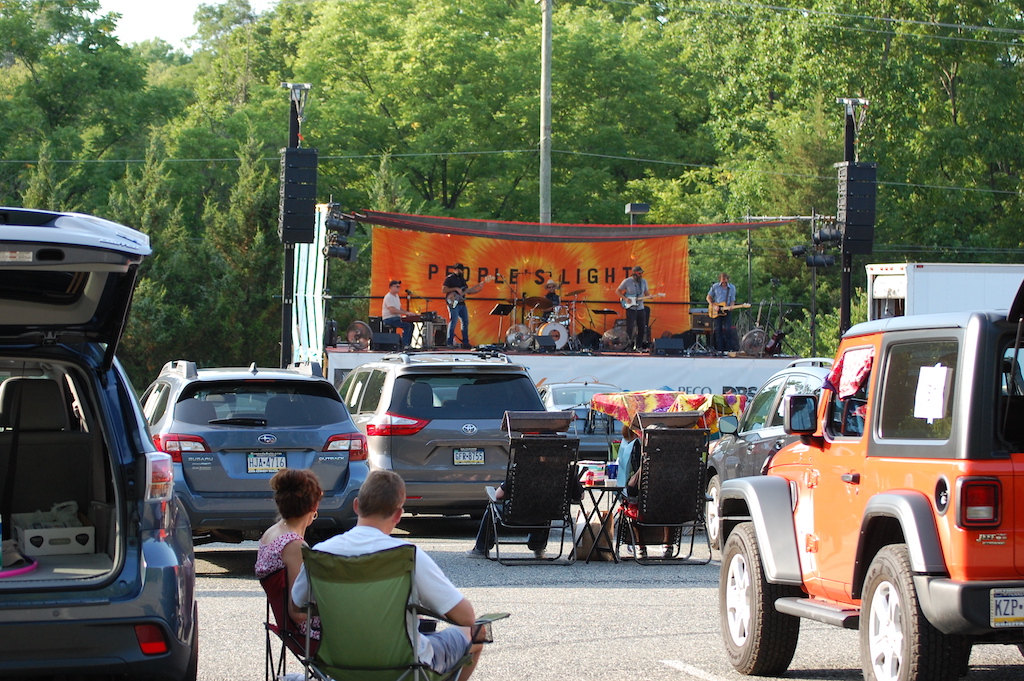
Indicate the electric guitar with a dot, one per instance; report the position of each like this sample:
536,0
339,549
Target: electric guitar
630,301
453,298
719,309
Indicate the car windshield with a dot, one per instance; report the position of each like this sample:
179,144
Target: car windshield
574,395
441,396
271,403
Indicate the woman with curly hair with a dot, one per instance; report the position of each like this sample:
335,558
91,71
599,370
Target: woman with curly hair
297,494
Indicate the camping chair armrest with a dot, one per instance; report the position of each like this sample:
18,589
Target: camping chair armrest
480,632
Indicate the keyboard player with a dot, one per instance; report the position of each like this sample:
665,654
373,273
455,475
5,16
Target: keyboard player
391,312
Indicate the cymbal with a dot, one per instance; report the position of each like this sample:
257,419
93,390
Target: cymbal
538,303
576,292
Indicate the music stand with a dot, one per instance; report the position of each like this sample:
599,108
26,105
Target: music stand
502,310
605,314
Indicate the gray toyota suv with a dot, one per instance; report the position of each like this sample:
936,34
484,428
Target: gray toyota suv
435,419
105,583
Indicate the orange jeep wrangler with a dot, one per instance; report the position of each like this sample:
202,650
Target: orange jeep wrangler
899,512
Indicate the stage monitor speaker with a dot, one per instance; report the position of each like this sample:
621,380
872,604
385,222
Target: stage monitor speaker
385,342
589,339
330,334
543,344
669,346
375,324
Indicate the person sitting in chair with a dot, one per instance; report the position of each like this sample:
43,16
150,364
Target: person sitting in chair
379,509
634,473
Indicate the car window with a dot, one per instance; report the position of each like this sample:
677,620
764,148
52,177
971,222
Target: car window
849,377
281,403
372,391
917,401
760,408
460,396
796,384
154,402
352,389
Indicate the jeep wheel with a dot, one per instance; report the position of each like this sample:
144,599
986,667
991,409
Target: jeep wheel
897,643
711,510
759,640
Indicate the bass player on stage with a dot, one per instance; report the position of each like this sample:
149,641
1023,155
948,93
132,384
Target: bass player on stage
722,297
455,289
632,291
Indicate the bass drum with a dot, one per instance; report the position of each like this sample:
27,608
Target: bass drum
614,339
518,337
556,332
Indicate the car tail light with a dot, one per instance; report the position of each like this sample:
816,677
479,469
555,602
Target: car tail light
393,424
978,502
159,476
151,639
174,444
353,443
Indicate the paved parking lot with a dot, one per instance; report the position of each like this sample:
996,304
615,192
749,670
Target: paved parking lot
596,621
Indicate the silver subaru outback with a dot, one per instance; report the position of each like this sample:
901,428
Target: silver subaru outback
435,419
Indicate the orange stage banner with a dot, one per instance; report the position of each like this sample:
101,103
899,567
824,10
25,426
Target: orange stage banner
589,273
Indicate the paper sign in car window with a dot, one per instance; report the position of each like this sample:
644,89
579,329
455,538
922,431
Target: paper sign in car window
930,400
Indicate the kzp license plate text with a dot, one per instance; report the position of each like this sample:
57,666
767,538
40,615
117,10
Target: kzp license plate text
469,456
1007,608
266,462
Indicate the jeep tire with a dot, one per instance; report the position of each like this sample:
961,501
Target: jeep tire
759,640
897,643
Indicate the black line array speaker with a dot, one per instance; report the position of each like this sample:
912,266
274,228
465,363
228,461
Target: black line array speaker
385,342
669,346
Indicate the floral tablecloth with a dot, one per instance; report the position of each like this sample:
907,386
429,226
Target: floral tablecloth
624,406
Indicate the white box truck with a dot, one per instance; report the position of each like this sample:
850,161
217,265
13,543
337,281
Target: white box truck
909,288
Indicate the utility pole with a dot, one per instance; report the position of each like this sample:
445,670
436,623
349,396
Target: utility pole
298,207
856,209
545,116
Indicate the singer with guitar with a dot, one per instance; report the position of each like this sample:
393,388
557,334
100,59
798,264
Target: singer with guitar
632,291
455,289
721,300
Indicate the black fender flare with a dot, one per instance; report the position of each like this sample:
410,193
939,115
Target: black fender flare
913,512
767,502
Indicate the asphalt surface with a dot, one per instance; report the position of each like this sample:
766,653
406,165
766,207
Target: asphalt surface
596,621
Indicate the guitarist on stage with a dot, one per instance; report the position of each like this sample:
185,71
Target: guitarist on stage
632,291
723,294
455,289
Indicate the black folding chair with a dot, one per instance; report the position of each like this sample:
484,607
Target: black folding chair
538,484
283,634
671,490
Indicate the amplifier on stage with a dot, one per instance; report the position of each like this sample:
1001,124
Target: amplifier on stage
700,320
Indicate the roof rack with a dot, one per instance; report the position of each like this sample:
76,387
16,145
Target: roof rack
438,356
182,367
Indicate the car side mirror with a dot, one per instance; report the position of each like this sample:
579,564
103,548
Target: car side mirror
728,425
800,414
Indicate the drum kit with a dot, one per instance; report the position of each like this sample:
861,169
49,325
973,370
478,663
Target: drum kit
543,318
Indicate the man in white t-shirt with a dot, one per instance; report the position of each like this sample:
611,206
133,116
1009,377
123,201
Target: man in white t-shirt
391,312
379,507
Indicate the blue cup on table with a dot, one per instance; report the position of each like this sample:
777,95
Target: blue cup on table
612,470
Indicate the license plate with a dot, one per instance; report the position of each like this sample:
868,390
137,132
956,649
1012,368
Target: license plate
266,462
1007,608
469,456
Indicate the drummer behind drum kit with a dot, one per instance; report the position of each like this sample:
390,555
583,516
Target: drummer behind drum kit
560,325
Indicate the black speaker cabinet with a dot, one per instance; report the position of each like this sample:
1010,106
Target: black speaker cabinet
669,346
385,342
589,339
543,344
375,324
331,334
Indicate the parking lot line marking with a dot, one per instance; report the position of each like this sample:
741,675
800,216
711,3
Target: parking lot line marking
691,670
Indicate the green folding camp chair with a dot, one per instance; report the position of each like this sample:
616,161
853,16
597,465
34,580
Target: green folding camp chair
369,626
